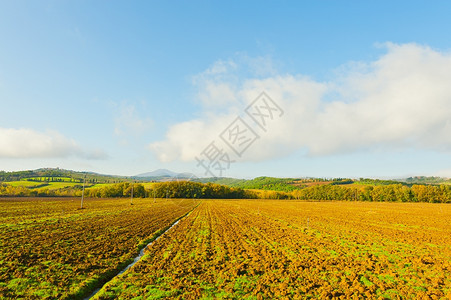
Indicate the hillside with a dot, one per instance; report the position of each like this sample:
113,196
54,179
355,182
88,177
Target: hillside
276,184
59,175
426,180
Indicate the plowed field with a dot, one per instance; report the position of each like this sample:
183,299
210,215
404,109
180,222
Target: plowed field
297,250
50,249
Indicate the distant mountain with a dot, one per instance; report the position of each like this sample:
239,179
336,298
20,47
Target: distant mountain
158,173
164,173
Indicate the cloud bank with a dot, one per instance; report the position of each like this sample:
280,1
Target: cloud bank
400,101
28,143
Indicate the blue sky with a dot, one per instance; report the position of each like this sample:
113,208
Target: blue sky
123,87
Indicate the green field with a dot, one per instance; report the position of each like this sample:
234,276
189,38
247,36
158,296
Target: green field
25,183
54,185
43,184
51,179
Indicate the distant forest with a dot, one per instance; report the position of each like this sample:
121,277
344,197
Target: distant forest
436,189
188,189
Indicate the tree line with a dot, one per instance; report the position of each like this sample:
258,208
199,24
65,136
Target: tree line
260,183
190,189
379,193
172,189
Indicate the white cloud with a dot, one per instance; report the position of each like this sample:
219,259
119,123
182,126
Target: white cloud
400,101
128,120
219,85
220,67
28,143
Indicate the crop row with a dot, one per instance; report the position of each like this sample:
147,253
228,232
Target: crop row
289,249
50,249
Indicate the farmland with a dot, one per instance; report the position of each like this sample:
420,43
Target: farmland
51,249
251,249
48,185
289,249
